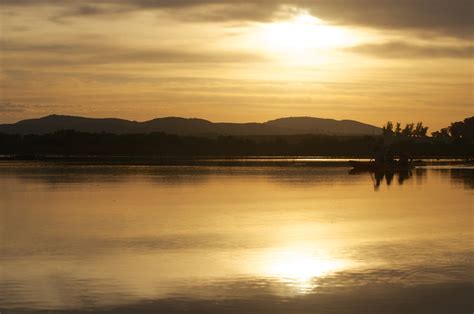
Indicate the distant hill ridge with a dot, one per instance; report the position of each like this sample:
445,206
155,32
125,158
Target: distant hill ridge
190,126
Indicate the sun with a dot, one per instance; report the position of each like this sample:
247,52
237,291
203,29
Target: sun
303,37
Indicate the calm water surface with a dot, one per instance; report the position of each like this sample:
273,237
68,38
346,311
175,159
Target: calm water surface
215,239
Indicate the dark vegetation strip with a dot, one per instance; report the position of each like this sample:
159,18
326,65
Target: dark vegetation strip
161,145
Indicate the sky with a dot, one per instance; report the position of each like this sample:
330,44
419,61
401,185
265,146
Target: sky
239,60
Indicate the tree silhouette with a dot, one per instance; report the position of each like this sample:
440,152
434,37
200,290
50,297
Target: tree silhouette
444,132
388,129
459,130
408,130
398,129
420,130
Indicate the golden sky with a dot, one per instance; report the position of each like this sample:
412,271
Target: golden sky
239,60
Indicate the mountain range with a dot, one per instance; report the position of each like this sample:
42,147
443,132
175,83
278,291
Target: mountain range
193,126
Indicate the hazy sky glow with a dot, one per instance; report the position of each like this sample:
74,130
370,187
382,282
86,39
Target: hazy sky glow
369,60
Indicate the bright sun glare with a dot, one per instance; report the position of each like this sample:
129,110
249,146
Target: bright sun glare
303,36
301,267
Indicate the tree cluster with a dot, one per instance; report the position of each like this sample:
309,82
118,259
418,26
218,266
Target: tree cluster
461,130
410,129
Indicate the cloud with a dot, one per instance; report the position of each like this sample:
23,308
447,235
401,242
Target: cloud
399,50
8,107
54,54
88,10
452,18
441,17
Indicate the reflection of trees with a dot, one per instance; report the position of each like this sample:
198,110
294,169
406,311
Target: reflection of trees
464,177
379,177
459,176
420,175
402,176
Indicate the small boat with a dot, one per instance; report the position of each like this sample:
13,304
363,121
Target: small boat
382,167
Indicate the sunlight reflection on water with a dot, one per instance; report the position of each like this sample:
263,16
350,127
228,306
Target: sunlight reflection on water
299,268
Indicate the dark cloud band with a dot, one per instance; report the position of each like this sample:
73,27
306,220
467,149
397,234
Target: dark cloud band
448,18
71,54
404,50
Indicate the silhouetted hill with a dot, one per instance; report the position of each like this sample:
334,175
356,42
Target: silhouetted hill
183,126
176,125
53,123
324,126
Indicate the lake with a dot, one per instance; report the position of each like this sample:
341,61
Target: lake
269,238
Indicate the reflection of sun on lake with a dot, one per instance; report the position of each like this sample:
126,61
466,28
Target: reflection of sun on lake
299,268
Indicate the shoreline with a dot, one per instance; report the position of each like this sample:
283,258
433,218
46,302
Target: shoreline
336,161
